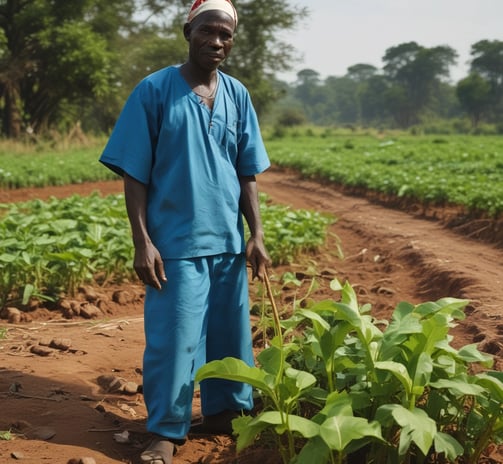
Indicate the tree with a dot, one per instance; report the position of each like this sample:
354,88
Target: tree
361,72
372,97
308,90
52,52
487,62
64,60
258,53
417,72
474,94
341,93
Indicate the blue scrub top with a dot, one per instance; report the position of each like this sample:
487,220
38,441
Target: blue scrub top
190,158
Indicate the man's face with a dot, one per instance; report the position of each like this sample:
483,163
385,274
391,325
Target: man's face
210,36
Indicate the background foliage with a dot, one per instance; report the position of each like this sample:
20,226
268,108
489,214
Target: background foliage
67,63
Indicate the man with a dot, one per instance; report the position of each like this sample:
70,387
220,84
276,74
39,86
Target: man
188,145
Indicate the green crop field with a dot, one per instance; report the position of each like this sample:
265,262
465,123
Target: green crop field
460,170
52,247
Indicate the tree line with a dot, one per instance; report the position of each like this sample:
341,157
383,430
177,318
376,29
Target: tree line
411,88
63,62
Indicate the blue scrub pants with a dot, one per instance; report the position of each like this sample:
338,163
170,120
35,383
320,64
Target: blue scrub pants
201,314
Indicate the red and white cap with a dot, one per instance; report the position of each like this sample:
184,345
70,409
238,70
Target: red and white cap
200,6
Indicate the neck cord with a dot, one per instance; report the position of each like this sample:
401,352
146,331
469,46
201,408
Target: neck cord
212,95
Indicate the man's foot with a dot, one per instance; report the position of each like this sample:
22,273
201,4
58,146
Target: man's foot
160,451
217,424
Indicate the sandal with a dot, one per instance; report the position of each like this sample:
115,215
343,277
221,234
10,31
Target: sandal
160,451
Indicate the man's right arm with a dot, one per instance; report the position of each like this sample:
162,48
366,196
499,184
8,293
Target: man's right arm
147,260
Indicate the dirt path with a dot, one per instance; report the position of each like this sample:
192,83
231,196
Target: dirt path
57,403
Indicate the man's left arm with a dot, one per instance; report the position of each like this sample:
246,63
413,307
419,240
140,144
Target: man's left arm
256,253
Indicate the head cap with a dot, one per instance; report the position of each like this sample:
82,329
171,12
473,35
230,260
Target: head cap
200,6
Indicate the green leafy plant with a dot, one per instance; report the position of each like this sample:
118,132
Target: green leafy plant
5,435
48,248
343,387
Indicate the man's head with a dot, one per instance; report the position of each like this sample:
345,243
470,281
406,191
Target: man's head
200,6
210,30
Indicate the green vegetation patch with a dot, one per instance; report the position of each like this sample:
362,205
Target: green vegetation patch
460,170
333,381
19,169
50,248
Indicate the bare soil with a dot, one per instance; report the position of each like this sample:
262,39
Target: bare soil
55,375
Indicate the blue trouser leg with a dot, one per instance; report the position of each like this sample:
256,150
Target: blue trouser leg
200,313
228,334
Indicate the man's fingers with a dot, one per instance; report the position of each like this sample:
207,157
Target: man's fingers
159,270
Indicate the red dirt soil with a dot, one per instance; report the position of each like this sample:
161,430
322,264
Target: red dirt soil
57,410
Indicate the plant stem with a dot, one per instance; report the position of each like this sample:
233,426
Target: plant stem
483,440
277,322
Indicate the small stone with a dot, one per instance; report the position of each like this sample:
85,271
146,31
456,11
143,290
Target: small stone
122,437
87,460
62,344
111,383
41,350
13,315
89,293
121,297
45,341
89,311
17,455
130,388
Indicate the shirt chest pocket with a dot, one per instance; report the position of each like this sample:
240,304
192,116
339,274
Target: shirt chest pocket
226,135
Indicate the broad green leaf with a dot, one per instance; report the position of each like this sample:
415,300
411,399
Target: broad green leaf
448,445
249,428
237,370
399,371
270,359
337,404
45,240
493,384
246,432
401,310
7,258
349,298
62,225
335,285
435,330
27,293
471,354
416,426
339,431
348,313
303,379
459,386
313,316
422,375
315,451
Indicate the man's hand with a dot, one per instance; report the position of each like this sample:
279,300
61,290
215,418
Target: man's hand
258,258
149,266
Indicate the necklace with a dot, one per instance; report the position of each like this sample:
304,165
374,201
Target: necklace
211,95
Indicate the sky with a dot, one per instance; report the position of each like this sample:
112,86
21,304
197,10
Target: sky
340,33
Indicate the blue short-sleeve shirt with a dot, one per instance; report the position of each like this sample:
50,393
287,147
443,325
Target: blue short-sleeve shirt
190,157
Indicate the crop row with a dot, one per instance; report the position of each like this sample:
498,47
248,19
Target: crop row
460,170
337,385
33,169
465,171
51,248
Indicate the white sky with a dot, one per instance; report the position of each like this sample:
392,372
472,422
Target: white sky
340,33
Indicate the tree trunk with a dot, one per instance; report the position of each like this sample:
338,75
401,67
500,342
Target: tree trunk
13,117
